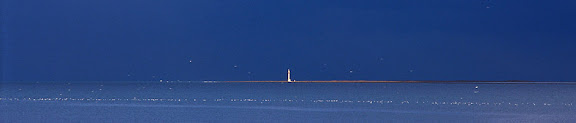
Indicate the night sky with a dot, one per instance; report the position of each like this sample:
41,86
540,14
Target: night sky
149,40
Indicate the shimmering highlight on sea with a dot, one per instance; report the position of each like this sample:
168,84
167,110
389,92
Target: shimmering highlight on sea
285,102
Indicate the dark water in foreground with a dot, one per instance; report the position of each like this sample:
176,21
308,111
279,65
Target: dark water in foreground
286,102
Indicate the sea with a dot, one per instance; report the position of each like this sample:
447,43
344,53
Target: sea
213,101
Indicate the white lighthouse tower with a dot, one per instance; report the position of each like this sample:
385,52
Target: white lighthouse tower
289,80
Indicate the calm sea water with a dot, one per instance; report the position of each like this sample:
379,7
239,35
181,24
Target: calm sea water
285,102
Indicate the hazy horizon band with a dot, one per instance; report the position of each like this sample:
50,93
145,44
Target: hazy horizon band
400,81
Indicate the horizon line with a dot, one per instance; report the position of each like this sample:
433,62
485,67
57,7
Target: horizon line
413,81
316,81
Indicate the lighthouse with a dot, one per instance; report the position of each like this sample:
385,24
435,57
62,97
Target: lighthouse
289,80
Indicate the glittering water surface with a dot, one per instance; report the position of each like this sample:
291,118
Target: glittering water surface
285,102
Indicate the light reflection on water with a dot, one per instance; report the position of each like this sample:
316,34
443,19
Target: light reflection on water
415,98
198,100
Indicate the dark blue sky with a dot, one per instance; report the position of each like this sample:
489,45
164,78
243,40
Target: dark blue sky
85,40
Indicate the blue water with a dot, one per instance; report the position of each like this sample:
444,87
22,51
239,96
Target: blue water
285,102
